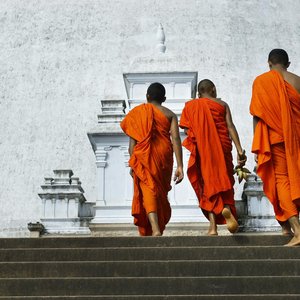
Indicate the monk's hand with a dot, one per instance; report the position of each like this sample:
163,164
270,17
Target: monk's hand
241,158
178,175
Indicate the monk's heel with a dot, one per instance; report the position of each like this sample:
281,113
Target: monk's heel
232,224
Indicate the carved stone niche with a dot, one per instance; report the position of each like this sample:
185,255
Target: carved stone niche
180,87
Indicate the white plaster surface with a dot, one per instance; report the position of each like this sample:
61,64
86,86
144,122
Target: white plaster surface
58,59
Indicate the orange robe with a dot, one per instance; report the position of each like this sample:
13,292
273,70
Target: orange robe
210,168
152,164
277,141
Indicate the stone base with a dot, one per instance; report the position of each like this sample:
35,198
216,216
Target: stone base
257,224
67,226
34,234
122,214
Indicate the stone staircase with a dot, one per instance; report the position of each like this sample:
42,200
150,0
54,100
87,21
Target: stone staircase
243,266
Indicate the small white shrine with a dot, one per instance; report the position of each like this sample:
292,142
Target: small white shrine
256,213
63,204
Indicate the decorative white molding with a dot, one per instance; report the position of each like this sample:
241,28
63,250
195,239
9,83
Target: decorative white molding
112,106
112,111
179,85
107,148
112,118
101,156
75,181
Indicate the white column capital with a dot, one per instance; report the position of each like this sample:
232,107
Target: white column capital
101,155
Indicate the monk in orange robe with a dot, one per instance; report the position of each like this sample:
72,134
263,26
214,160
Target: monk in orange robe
275,107
150,127
208,124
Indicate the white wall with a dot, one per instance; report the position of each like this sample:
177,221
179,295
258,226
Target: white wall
59,58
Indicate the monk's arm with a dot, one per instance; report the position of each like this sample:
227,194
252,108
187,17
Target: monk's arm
255,121
132,143
176,141
235,137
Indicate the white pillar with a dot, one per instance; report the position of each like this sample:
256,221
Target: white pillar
172,85
131,91
101,162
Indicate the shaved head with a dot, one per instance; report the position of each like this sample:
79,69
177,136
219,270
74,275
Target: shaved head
206,86
156,92
279,57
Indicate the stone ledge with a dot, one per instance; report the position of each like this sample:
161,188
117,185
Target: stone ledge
172,229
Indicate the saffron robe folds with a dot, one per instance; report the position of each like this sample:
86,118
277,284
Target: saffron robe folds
152,164
210,167
277,141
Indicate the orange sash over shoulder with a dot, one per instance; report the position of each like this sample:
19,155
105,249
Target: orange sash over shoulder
152,164
210,168
277,105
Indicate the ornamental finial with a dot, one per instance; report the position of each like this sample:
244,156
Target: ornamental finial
161,39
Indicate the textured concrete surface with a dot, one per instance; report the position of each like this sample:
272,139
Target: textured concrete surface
59,58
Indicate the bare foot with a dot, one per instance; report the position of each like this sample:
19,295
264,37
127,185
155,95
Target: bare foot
286,229
152,216
287,232
212,232
295,241
232,224
156,233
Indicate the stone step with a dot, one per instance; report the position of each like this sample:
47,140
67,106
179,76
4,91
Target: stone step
165,241
182,268
271,285
149,253
154,297
235,267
